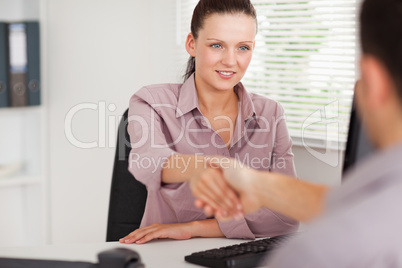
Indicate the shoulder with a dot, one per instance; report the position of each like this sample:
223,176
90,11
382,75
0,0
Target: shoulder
158,94
266,106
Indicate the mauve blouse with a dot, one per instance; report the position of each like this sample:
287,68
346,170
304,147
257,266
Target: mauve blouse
165,119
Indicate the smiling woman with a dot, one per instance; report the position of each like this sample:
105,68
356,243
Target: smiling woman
181,129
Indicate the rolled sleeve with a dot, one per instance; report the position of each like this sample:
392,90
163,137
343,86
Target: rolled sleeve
150,148
236,229
262,223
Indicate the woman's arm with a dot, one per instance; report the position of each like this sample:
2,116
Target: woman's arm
198,172
180,231
181,167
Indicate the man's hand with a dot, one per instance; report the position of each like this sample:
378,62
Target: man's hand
244,180
214,194
219,188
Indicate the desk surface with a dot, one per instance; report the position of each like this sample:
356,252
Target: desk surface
158,253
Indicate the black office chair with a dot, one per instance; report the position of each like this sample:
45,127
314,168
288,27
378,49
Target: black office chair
127,195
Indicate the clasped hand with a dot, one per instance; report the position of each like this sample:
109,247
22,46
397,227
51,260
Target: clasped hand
226,189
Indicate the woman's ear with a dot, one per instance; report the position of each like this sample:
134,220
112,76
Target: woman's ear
190,44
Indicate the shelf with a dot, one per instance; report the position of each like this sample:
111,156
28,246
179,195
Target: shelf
23,180
19,110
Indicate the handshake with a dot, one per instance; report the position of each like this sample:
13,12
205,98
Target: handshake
228,189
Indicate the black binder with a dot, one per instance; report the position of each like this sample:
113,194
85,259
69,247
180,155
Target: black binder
33,72
18,63
4,82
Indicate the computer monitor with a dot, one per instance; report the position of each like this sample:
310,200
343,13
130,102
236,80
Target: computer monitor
358,145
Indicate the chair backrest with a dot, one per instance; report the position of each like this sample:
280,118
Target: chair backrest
127,195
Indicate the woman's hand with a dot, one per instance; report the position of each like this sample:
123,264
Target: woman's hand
178,231
233,179
245,182
214,194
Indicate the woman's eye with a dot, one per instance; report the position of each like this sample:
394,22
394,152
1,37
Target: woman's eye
216,46
244,48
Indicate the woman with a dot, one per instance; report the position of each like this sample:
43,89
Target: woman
176,129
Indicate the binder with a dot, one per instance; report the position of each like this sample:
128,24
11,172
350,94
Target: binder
33,71
4,81
17,40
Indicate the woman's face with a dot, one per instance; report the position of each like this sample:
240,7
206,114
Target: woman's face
223,50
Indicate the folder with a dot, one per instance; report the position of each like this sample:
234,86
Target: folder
4,82
17,40
33,71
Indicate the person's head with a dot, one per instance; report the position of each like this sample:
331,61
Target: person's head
380,95
222,34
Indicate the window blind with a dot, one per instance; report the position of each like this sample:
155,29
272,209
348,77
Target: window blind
305,58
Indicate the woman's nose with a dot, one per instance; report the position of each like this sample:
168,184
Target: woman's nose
229,58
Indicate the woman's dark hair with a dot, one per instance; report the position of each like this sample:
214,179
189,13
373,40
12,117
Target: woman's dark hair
381,35
206,8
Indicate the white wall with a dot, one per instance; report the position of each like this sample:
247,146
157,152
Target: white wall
102,51
98,52
20,136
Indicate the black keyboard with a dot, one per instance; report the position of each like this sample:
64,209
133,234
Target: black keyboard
248,254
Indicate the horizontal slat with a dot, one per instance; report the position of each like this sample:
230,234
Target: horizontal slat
309,107
290,89
311,72
297,135
320,32
293,118
316,133
319,25
303,109
335,5
315,15
335,94
273,2
316,128
324,136
303,17
306,73
318,125
341,80
273,14
268,57
345,39
322,65
298,94
303,72
302,114
302,100
333,53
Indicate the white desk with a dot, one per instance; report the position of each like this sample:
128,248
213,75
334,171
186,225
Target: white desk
158,253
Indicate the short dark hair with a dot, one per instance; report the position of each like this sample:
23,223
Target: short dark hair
381,35
206,8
